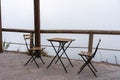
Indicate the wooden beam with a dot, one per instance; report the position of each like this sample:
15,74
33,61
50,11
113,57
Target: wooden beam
90,44
0,30
74,31
37,22
66,31
17,30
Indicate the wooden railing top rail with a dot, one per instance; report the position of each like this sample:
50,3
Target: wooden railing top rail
17,30
90,32
111,32
108,32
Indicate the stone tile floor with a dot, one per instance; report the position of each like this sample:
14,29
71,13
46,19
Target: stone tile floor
12,68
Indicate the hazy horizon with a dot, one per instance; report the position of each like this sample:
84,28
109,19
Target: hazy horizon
63,14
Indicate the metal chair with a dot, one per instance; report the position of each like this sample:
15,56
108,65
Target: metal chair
34,52
87,57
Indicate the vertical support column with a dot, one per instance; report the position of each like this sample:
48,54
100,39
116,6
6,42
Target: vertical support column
90,44
0,30
37,22
31,41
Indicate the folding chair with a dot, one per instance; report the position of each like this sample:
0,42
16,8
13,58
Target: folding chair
87,57
34,52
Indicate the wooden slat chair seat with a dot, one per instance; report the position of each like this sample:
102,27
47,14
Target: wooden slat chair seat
37,48
34,52
88,54
87,58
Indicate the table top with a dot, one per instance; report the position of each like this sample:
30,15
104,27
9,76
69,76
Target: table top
60,39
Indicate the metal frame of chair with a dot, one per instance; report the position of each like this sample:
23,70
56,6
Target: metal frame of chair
33,51
87,58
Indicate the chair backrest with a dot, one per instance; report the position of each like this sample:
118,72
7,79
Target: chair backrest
28,38
93,55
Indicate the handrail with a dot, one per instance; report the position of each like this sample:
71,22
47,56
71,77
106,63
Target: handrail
108,32
90,32
17,30
108,49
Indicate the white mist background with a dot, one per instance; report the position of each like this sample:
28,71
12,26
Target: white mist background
66,14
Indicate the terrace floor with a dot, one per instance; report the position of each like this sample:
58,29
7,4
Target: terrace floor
12,68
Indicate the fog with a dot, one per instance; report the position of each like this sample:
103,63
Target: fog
63,14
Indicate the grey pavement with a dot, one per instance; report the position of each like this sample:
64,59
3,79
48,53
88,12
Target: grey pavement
12,68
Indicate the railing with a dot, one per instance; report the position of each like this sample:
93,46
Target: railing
90,32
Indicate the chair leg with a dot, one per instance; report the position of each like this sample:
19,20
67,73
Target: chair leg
33,59
82,68
35,62
92,70
41,59
93,67
28,60
39,55
88,63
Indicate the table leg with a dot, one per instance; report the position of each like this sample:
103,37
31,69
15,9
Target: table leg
51,62
64,49
57,54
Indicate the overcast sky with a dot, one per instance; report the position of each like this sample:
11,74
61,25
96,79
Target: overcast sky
63,14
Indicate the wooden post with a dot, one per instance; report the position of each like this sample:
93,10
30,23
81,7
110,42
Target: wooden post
31,41
90,44
37,22
0,30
